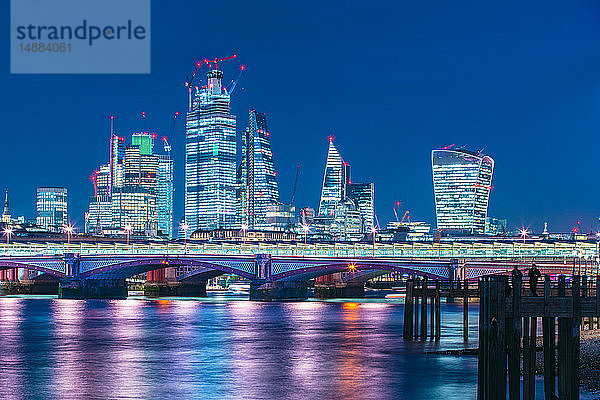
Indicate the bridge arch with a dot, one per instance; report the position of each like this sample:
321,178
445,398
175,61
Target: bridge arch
50,267
431,270
203,268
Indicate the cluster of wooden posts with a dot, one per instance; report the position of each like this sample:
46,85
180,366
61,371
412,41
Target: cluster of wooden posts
420,291
508,319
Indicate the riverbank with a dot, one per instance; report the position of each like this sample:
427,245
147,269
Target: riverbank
589,360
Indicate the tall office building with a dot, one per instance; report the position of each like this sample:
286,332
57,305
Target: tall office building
116,156
133,189
210,162
165,195
99,215
462,182
52,208
347,223
258,184
145,142
334,181
363,195
135,202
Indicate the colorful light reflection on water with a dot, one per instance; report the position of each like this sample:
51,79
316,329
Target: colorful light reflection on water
185,349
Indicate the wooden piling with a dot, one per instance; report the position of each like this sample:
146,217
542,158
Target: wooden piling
482,376
416,313
408,311
549,333
432,316
438,311
466,310
574,343
514,327
492,349
528,368
563,329
423,328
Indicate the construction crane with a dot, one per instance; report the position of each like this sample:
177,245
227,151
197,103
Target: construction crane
406,214
216,61
295,186
189,80
446,147
166,144
234,82
395,213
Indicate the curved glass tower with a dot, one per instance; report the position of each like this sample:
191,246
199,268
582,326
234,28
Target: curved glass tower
462,182
210,159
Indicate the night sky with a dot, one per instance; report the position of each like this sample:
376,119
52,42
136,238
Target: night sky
390,80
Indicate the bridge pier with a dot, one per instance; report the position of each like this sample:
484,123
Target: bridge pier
278,291
32,287
332,286
339,290
92,289
175,289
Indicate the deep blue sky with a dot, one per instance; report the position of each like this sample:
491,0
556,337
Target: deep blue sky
390,80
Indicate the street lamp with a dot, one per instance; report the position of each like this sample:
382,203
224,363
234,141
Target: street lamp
586,257
373,232
523,233
244,230
184,227
128,229
305,228
8,232
352,268
68,229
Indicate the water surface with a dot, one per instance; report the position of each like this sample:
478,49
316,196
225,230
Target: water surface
224,349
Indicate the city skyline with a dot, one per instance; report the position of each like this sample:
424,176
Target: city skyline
514,115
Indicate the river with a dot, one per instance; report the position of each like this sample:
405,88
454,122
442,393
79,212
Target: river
227,348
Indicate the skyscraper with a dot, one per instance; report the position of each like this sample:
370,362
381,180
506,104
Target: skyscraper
117,153
165,195
135,202
210,163
462,182
99,215
334,181
363,195
52,208
258,184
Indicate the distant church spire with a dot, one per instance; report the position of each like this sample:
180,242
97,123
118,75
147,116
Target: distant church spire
6,212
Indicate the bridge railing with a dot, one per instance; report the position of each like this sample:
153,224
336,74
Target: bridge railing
583,252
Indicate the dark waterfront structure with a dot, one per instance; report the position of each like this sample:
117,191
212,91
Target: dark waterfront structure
509,314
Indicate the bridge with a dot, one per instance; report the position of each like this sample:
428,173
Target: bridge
280,270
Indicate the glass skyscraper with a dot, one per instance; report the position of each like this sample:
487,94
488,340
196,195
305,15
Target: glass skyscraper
135,202
462,182
117,153
99,215
258,184
165,195
363,195
134,189
334,181
52,208
210,162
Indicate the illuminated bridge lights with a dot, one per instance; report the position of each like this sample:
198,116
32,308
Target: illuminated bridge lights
433,250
